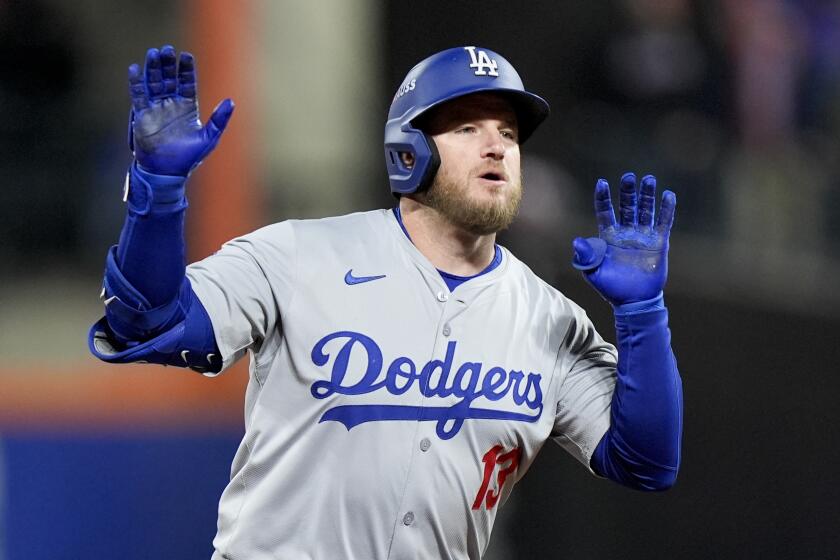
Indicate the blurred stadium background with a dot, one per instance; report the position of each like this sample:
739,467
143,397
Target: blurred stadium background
734,104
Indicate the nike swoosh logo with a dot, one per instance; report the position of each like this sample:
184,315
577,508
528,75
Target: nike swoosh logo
350,280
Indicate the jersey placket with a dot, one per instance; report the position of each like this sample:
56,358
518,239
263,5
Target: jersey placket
413,518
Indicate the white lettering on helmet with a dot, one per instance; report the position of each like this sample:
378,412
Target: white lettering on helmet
483,64
405,88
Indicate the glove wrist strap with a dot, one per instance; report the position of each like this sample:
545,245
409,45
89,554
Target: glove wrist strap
652,304
147,193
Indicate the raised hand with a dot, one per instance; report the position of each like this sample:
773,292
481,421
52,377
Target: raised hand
628,261
165,132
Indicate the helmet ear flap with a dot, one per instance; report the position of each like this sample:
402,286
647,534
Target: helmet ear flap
405,179
432,166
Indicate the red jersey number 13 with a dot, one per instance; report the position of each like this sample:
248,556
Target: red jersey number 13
507,463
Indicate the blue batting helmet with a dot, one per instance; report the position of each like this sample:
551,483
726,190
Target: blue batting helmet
440,78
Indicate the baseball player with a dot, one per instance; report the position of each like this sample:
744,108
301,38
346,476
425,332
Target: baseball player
404,368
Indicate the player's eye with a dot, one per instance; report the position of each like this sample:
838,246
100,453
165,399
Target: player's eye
508,133
466,129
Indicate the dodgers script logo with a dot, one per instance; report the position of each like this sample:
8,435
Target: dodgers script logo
437,378
482,62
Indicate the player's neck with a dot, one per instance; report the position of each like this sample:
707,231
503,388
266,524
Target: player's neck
448,247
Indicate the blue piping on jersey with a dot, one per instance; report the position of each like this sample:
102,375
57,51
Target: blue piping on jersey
452,280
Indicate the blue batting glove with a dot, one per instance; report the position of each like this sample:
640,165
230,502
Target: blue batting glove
628,261
165,132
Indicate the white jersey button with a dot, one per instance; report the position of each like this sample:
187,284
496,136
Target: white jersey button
425,444
442,296
447,330
408,518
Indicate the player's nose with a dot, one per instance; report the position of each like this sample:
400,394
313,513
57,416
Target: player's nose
493,145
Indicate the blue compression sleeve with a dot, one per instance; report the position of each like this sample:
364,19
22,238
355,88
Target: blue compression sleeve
151,253
641,449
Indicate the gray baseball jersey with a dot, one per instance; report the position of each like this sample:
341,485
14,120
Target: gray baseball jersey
386,417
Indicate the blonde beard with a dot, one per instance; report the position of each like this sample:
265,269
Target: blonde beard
449,198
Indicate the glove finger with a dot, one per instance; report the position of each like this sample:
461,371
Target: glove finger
627,204
186,76
154,75
666,213
168,68
219,120
136,89
647,201
214,127
604,214
589,253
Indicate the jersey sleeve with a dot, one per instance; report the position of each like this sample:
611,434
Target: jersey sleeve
245,286
587,372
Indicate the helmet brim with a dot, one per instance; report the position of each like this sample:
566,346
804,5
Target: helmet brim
531,110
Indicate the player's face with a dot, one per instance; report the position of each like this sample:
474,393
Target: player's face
478,186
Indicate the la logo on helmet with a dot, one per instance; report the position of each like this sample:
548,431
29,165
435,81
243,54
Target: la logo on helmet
482,63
